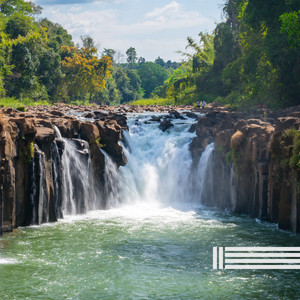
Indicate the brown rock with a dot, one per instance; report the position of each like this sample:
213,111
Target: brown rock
89,132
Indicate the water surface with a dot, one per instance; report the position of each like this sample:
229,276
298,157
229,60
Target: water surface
155,242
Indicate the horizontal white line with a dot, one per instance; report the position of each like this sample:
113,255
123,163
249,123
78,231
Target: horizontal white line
262,249
262,254
262,267
262,261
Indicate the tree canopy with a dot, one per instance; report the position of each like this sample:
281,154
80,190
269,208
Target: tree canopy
252,57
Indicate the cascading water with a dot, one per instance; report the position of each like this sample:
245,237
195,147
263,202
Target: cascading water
77,192
111,186
159,168
205,175
37,194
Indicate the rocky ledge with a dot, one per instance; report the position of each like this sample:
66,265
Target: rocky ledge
256,168
31,148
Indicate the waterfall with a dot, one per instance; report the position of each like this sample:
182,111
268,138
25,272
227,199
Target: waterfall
205,175
160,171
160,167
38,195
77,184
111,186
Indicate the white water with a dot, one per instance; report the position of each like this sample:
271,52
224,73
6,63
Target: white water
205,174
78,193
160,170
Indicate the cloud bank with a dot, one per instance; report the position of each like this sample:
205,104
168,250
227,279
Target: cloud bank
156,28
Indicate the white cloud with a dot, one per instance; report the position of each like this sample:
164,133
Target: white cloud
172,7
159,31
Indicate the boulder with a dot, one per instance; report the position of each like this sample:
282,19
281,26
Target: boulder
165,125
89,132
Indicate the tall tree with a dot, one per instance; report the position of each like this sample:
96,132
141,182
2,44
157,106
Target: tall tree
131,56
85,72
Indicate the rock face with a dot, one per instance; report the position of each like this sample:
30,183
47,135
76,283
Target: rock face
31,156
255,163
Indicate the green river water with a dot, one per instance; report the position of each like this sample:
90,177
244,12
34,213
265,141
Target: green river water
140,253
144,248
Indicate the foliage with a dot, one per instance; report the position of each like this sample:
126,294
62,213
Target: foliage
12,102
187,83
85,72
152,75
291,147
291,26
251,58
154,101
131,56
98,143
128,84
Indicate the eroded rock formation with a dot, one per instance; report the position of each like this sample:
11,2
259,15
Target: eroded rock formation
31,152
255,169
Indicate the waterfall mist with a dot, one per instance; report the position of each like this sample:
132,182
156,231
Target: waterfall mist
160,168
160,171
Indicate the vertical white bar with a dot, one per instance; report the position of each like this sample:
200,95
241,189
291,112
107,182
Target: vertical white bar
215,258
220,258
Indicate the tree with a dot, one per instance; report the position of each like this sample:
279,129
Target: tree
291,26
8,7
152,75
160,62
111,53
57,36
131,56
26,40
141,60
87,41
85,72
128,83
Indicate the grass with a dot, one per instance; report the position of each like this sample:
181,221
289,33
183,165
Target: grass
81,102
154,101
21,103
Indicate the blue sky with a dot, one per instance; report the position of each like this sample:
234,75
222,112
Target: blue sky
153,27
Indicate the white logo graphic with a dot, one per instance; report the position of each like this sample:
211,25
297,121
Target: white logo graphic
254,258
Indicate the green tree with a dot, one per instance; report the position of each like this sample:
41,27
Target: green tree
152,75
26,40
128,83
131,56
86,74
111,53
160,62
291,26
8,7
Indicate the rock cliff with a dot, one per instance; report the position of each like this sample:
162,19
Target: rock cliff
31,151
256,168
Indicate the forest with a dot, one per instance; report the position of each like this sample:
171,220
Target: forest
251,58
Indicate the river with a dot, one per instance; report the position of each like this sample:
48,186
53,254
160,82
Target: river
156,240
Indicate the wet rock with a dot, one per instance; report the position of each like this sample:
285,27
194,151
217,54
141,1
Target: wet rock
89,115
165,125
176,115
155,119
191,115
193,128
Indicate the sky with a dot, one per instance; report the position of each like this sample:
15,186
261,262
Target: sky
155,28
